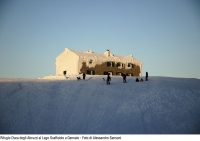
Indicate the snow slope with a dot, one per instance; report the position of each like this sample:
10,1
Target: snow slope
162,105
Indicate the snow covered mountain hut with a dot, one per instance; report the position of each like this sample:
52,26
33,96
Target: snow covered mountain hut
72,62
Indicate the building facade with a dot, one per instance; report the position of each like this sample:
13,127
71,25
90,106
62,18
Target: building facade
77,62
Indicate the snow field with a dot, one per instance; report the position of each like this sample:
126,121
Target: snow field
162,105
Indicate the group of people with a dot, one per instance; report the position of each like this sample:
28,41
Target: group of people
137,80
79,78
124,78
141,80
123,75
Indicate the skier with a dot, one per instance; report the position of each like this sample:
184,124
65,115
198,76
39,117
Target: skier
146,76
84,76
137,80
124,78
108,79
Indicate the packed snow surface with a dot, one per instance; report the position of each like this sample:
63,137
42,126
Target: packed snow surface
161,105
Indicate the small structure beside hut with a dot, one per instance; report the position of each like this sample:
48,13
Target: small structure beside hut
72,62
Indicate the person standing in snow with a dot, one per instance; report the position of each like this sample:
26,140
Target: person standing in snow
84,76
108,79
124,78
146,76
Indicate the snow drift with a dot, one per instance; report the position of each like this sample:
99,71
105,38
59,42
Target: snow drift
162,105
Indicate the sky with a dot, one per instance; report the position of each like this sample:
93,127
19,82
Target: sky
163,34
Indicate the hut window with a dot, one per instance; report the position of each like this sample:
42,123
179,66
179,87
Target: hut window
91,72
129,74
130,65
64,72
118,73
90,62
108,72
120,65
105,73
110,64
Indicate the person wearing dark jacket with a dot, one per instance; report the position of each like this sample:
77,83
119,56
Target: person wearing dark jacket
84,76
108,79
146,76
124,78
137,80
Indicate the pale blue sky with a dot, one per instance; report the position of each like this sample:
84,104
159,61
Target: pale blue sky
163,34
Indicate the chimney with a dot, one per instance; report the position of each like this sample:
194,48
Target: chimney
107,53
90,51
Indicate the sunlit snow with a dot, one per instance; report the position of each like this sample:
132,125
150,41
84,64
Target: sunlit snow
159,106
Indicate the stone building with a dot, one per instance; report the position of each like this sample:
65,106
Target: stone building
77,62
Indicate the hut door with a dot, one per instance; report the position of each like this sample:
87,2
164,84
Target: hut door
64,72
110,73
